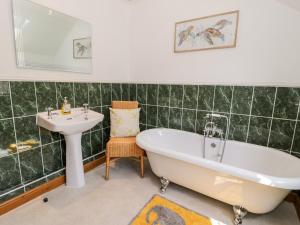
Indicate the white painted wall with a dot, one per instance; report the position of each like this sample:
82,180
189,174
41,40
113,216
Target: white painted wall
133,42
111,53
268,51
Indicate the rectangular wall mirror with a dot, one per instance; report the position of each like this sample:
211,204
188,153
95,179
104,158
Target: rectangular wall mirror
47,39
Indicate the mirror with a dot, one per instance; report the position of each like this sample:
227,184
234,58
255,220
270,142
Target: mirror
47,39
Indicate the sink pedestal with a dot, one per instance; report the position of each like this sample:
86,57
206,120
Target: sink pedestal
74,167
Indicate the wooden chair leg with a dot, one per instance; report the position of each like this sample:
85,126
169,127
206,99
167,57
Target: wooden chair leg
142,166
107,167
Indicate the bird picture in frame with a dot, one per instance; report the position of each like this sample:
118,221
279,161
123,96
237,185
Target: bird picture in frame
211,32
82,48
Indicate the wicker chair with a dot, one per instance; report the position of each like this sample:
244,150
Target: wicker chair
123,147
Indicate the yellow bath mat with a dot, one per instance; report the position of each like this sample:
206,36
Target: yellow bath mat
160,211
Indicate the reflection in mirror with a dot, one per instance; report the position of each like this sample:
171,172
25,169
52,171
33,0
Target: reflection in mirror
47,39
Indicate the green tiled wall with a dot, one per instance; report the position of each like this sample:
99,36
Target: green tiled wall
24,169
265,116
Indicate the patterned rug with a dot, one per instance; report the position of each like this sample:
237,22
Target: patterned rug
161,211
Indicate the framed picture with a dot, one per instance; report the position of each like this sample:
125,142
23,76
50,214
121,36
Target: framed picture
211,32
82,48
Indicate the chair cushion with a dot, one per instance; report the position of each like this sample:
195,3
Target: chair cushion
124,122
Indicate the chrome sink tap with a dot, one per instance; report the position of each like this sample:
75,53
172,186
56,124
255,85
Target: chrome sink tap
86,110
49,112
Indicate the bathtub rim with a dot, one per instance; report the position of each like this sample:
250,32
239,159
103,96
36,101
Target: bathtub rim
292,183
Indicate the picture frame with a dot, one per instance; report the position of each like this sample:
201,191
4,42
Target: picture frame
82,48
211,32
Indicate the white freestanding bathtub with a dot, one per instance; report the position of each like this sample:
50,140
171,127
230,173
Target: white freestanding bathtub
254,177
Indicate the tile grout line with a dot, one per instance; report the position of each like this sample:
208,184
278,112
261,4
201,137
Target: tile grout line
157,106
295,128
146,106
74,95
183,92
39,129
250,114
196,118
270,129
60,144
88,95
15,132
230,113
101,103
169,106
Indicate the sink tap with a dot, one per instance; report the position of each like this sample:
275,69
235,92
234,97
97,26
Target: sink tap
86,110
49,112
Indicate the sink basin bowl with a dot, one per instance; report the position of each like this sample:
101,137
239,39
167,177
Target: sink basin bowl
71,126
73,123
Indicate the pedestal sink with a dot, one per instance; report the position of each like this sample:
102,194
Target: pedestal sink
71,126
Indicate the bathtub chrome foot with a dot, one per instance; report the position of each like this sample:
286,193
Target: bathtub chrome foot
164,184
239,213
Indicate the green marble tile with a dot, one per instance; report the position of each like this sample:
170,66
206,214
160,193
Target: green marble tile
223,96
116,92
11,195
201,121
9,173
5,104
164,92
143,114
222,123
152,92
296,144
106,113
242,98
259,130
175,118
106,94
106,135
35,184
86,145
206,98
263,101
31,165
152,115
238,128
63,151
286,104
163,117
296,154
96,142
23,98
94,94
65,90
189,120
48,136
7,136
176,96
81,94
46,95
52,157
99,125
125,92
26,129
190,93
133,92
142,93
56,175
282,134
143,127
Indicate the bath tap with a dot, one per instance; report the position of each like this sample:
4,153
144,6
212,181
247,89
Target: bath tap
211,130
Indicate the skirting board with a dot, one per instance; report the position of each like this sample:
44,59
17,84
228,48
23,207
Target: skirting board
46,187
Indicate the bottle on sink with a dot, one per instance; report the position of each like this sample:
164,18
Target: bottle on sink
66,107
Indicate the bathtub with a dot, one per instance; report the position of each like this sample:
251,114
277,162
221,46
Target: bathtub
254,177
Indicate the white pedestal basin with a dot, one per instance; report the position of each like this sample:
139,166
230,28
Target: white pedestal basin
71,126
